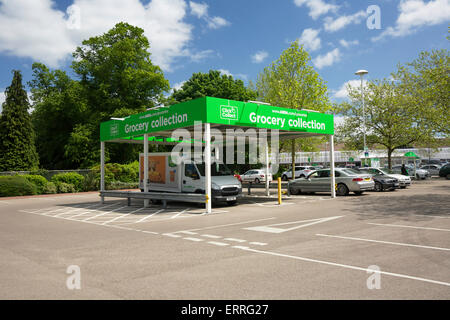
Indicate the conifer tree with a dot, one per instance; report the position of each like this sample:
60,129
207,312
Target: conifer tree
17,139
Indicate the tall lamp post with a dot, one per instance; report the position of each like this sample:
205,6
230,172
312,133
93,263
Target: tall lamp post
361,73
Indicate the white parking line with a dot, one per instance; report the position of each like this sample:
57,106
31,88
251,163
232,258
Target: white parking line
183,211
119,217
258,243
149,216
384,242
403,226
193,239
171,235
188,232
91,210
230,224
234,240
211,236
104,213
217,243
398,275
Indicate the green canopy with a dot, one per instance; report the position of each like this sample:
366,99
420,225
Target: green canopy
411,154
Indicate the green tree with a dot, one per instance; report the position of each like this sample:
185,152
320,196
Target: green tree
426,80
291,82
212,84
17,148
392,120
116,79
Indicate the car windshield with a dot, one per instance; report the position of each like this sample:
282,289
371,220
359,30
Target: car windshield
386,171
217,169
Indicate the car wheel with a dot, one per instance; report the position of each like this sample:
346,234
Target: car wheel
403,187
358,193
231,203
293,191
448,176
342,190
257,180
302,176
284,177
378,187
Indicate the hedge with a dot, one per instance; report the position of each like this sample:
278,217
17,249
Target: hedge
63,187
75,179
16,186
37,180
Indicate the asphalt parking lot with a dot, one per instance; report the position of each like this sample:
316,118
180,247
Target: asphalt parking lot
310,247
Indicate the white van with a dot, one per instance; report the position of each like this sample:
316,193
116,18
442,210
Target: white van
164,174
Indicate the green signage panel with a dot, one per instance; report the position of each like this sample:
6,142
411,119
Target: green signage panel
155,120
247,114
216,111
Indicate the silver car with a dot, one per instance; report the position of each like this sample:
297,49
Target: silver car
403,181
433,169
420,173
347,180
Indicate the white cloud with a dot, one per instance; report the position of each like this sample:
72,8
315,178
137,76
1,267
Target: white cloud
333,25
342,92
310,39
317,7
347,44
327,59
259,56
237,75
36,29
2,99
200,10
415,14
225,72
201,55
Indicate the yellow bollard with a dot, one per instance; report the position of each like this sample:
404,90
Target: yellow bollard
279,190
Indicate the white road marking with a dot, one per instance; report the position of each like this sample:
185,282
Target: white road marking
211,236
149,216
119,217
398,275
240,247
193,239
230,224
234,240
188,232
91,210
183,211
104,213
171,235
271,228
384,242
217,243
403,226
259,243
151,232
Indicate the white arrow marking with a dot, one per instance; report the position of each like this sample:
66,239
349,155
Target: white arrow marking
303,223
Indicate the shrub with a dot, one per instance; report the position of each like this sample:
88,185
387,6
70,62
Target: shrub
91,182
16,186
117,185
119,172
38,180
73,178
49,188
63,187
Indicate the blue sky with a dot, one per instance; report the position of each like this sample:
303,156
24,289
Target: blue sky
239,37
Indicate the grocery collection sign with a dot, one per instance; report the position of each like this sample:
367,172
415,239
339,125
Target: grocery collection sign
217,111
268,117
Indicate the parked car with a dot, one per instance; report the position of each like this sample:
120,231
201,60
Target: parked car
420,173
445,171
347,180
403,181
433,169
255,175
382,181
300,172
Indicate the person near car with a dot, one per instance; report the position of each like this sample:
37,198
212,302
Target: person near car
404,170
